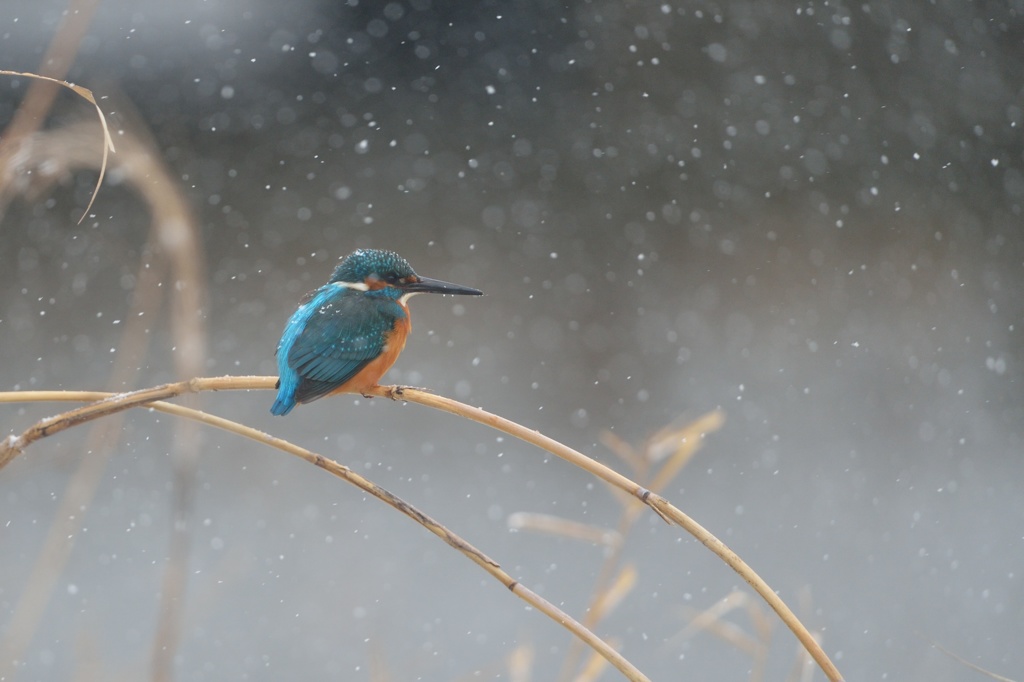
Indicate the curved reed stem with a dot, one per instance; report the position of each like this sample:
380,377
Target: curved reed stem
108,400
657,503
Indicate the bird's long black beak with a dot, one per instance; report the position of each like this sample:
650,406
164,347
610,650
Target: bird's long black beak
426,285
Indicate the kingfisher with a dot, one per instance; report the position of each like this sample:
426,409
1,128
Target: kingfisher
346,335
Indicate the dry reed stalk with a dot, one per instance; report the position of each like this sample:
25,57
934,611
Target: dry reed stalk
556,525
42,159
520,663
593,667
674,444
14,445
151,398
711,620
18,151
967,664
59,57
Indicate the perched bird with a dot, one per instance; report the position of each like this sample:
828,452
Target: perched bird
346,335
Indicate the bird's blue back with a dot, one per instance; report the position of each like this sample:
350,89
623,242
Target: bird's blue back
335,333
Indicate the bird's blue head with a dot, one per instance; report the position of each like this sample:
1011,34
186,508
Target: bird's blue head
388,274
365,265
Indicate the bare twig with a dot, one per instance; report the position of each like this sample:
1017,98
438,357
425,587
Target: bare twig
976,668
10,448
556,525
38,100
520,663
592,669
59,57
682,444
711,620
174,247
145,398
6,153
616,592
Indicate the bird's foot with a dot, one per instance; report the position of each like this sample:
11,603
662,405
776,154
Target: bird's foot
397,392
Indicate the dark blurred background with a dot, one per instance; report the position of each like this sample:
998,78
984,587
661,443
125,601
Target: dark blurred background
808,215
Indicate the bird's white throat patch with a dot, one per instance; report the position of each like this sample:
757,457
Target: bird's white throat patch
405,297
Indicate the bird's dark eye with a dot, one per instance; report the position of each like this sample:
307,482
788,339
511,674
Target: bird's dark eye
391,278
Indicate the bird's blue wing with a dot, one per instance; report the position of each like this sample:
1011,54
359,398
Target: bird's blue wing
327,341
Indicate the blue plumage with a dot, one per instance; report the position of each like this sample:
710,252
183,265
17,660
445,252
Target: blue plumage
347,324
332,336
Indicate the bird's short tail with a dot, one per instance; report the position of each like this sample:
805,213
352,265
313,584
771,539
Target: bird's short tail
281,408
284,403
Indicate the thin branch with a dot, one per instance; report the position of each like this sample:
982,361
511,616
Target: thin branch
963,661
145,399
54,66
657,503
41,93
108,141
666,510
676,444
556,525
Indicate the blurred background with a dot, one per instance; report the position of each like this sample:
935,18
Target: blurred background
806,215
